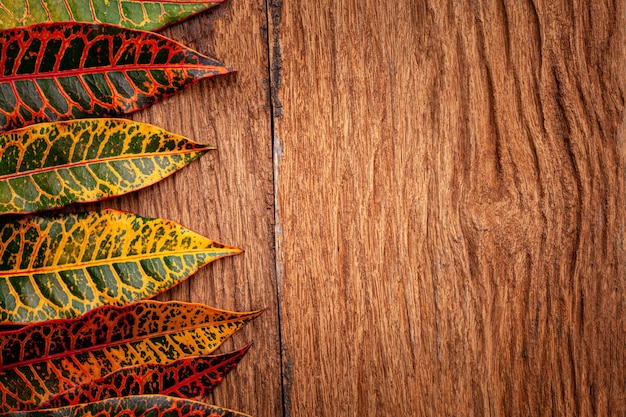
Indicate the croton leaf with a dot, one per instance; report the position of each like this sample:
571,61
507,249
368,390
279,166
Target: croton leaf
42,360
62,266
50,165
61,71
137,406
133,14
193,378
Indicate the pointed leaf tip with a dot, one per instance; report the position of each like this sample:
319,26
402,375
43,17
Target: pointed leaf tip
255,313
106,257
69,70
137,406
51,165
192,378
157,15
105,340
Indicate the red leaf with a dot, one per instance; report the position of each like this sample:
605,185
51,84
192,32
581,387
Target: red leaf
42,360
60,71
193,378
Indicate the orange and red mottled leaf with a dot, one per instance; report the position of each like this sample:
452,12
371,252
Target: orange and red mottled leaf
50,165
133,14
62,266
136,406
42,360
61,71
192,378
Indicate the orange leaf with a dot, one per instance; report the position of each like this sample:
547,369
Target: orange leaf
42,360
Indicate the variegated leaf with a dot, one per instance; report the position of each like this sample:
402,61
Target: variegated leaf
137,406
61,71
62,266
133,14
193,378
42,360
50,165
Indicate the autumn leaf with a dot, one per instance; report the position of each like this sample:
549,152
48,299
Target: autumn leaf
193,378
61,71
133,14
42,360
137,406
50,165
62,266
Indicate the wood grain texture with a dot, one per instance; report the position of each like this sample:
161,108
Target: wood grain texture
444,183
228,193
450,207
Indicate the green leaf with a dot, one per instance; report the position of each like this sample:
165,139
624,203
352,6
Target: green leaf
42,360
132,14
65,265
62,71
137,406
50,165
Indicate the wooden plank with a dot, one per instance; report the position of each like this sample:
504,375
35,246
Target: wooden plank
450,207
227,194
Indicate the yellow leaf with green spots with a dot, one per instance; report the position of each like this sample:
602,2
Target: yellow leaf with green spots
50,165
65,265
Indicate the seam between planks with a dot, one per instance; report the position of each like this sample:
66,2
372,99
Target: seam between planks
273,9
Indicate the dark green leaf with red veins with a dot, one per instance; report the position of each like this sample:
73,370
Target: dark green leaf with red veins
42,360
137,406
62,266
50,165
61,71
133,14
193,378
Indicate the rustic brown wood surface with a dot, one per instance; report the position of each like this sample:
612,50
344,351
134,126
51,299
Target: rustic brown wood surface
431,196
227,195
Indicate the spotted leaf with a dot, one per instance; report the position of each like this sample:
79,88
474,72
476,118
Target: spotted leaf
50,165
62,266
133,14
193,378
42,360
61,71
136,406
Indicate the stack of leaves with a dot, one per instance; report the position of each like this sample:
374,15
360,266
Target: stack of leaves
73,287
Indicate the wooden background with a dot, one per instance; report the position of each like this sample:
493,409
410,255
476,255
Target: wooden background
431,196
